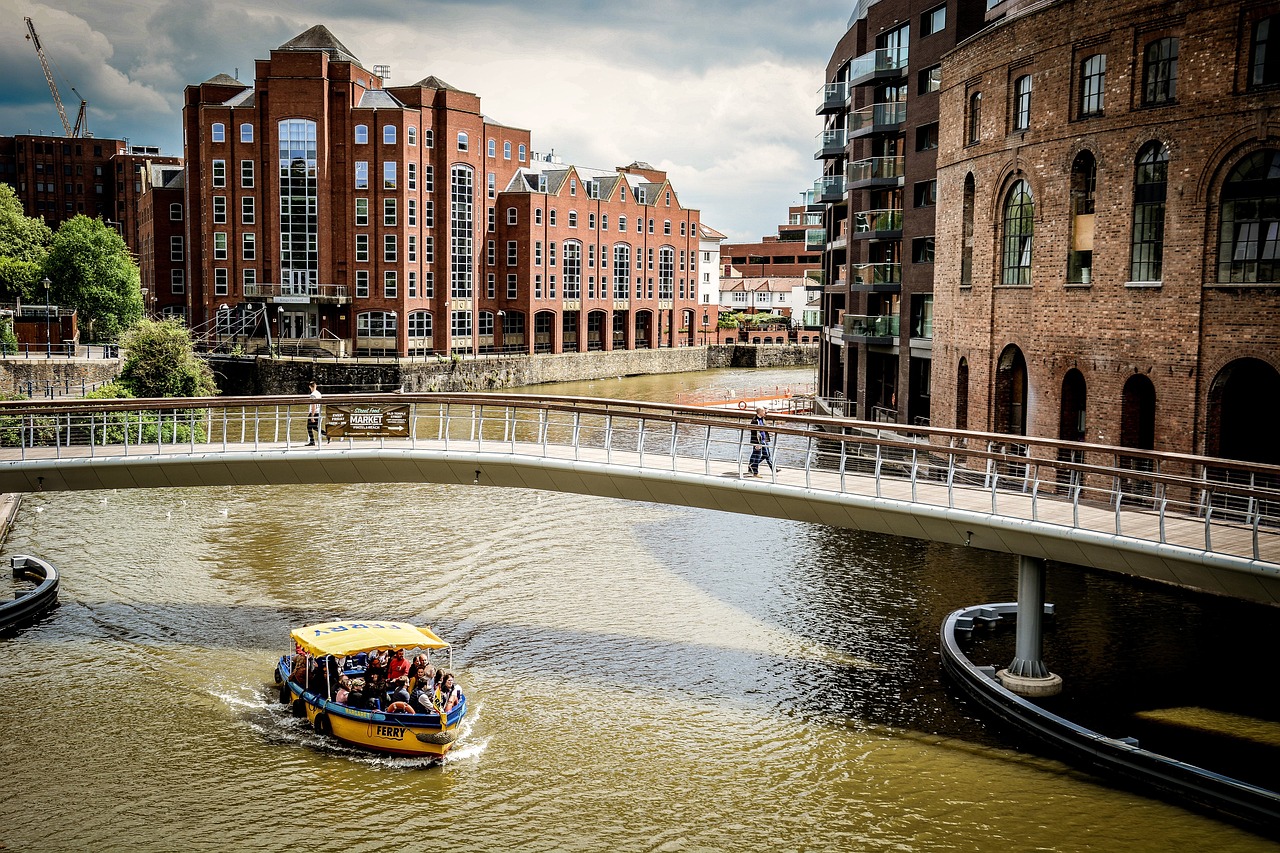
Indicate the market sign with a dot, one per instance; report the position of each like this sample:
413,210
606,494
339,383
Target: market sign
366,421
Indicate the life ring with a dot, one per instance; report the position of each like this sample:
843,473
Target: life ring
321,724
742,404
400,708
299,707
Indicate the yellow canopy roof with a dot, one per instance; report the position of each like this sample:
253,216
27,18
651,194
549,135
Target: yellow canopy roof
349,638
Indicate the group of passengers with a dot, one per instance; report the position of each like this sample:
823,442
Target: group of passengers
380,681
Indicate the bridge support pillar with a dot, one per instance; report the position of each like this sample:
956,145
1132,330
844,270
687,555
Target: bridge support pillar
1027,675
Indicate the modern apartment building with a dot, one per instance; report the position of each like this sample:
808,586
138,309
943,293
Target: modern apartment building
1108,264
354,215
795,250
877,197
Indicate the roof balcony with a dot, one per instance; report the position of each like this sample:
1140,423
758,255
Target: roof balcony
875,172
815,239
834,98
831,143
878,224
878,118
876,278
886,63
872,328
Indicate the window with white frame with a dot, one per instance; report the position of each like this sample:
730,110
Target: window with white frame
388,211
512,289
175,248
177,281
248,247
376,324
362,174
389,175
246,173
388,134
411,175
247,214
219,173
220,279
389,248
218,133
390,285
362,284
362,248
175,212
362,134
463,140
411,212
219,210
362,211
512,217
219,245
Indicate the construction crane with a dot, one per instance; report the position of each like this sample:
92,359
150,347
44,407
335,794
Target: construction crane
79,128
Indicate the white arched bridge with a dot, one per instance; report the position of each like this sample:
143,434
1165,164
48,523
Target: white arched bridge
1209,524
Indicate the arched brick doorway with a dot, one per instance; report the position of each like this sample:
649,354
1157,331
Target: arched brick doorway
1244,409
962,394
1011,392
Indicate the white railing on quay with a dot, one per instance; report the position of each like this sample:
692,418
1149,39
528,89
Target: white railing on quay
1122,491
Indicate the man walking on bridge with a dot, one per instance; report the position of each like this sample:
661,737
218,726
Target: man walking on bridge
313,414
759,445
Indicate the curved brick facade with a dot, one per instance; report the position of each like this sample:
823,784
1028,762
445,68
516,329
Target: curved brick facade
1204,343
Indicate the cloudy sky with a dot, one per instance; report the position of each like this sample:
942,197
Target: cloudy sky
719,93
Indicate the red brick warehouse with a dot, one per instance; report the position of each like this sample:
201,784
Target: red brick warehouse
400,220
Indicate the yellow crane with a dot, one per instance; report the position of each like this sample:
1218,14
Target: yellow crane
79,128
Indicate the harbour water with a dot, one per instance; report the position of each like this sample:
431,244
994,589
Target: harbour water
641,678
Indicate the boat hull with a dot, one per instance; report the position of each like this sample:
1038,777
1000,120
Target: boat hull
413,735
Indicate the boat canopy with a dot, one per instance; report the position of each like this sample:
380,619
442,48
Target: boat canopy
349,638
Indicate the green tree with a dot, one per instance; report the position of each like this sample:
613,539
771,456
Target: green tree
24,243
93,272
161,362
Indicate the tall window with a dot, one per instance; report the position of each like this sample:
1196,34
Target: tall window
1265,61
299,204
1149,189
1093,81
246,132
219,173
1160,71
1022,102
1249,239
975,117
1084,180
666,272
388,134
572,269
218,133
966,239
621,271
462,226
1019,219
362,134
463,141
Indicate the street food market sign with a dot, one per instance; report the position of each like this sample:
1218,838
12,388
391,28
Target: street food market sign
366,421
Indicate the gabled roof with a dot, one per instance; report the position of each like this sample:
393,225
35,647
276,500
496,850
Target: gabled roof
706,232
319,38
434,82
223,80
378,98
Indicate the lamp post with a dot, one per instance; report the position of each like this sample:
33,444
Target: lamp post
500,315
144,304
705,323
48,335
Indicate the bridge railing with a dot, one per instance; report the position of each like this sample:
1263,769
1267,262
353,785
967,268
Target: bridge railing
1196,502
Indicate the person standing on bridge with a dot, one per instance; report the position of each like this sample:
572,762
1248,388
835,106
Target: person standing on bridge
313,414
760,439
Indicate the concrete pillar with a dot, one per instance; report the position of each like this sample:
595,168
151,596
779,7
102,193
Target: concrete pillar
1027,675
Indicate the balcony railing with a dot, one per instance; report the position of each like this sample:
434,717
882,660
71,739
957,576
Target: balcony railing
830,188
292,292
875,169
815,239
876,276
872,325
834,96
886,115
831,143
877,63
874,221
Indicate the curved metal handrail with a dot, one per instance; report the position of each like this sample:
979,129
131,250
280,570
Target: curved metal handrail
30,605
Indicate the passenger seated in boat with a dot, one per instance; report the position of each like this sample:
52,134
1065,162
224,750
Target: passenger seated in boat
375,689
356,697
344,689
450,695
397,666
298,673
399,692
373,664
421,674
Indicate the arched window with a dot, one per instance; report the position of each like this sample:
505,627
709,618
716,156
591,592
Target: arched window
1084,180
376,324
362,134
428,138
1160,72
420,325
506,151
975,117
218,133
1249,237
493,148
1022,102
411,135
523,152
1150,185
388,134
463,140
246,132
622,223
962,394
966,244
573,219
1019,223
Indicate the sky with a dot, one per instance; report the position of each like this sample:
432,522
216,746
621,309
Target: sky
720,93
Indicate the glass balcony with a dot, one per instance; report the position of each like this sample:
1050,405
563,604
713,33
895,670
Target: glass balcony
834,97
876,278
887,169
871,326
831,143
878,64
878,118
877,221
830,188
815,239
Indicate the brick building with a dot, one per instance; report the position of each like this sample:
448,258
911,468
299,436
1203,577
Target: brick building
161,235
877,198
1108,264
401,220
795,250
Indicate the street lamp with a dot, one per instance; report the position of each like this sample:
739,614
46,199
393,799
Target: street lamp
500,315
705,323
48,335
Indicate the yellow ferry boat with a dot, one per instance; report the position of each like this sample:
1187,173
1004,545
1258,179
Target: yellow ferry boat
400,729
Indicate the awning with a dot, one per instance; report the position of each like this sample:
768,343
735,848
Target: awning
349,638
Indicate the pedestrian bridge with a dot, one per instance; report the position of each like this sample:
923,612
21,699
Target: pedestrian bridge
1204,523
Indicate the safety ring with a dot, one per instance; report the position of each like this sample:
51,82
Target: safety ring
742,404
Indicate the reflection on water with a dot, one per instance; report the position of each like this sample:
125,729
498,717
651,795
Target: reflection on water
642,677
